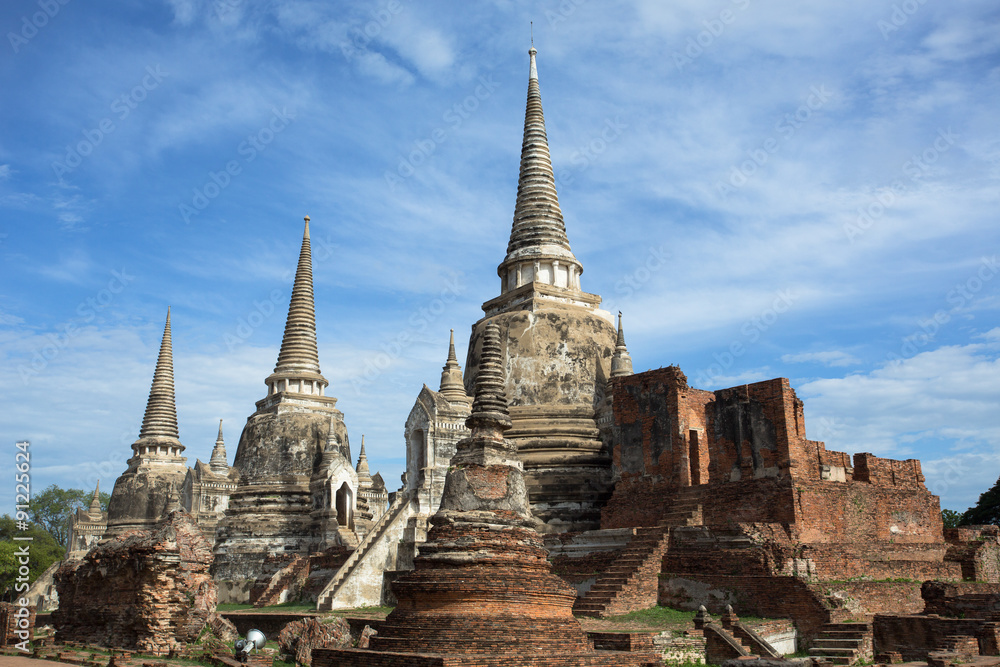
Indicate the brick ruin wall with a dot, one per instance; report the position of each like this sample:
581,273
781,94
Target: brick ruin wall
970,599
913,637
660,441
747,446
143,590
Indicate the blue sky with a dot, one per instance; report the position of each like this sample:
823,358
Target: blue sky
764,189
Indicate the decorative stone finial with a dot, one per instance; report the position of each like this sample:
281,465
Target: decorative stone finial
701,618
173,501
332,451
298,369
452,386
621,362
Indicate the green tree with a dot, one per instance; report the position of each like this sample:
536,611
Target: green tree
987,510
951,518
53,507
42,552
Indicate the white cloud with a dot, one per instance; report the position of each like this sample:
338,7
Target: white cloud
939,405
827,358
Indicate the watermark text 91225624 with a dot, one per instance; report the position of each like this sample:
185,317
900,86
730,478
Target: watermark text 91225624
22,553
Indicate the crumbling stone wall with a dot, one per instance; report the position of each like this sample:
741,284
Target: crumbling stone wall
148,591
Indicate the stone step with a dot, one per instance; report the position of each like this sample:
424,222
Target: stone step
852,626
828,642
846,652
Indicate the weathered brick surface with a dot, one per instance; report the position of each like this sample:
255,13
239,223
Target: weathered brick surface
143,590
11,623
962,600
300,638
914,637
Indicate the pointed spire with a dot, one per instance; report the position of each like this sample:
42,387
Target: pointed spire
452,385
160,419
490,416
218,461
299,358
362,468
95,502
538,232
621,362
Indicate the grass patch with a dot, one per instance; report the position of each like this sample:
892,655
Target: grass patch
657,616
373,611
284,607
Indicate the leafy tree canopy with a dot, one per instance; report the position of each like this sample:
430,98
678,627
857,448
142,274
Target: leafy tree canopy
951,518
53,507
43,550
987,510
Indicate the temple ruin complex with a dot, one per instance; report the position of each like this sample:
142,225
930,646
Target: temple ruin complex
549,479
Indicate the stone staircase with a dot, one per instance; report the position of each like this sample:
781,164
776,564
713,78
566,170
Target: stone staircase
281,581
843,643
325,600
631,583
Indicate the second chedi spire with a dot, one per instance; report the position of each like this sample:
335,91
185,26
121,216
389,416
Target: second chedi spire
298,369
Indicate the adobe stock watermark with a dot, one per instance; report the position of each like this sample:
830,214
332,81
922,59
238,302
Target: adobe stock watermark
264,309
960,295
714,28
751,330
453,118
587,154
954,472
418,323
31,25
226,8
217,181
784,130
655,260
915,168
86,311
562,13
122,106
359,37
899,17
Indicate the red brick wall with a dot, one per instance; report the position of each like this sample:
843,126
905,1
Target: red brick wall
867,598
913,637
887,472
839,512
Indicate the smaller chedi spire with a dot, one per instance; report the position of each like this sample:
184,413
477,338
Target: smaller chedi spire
452,385
490,415
364,474
95,502
218,461
298,369
621,362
